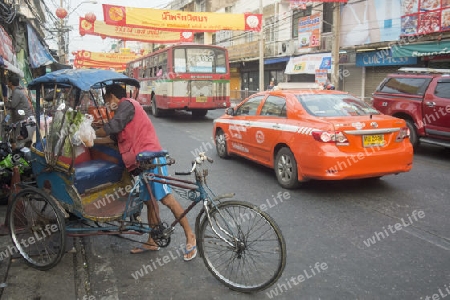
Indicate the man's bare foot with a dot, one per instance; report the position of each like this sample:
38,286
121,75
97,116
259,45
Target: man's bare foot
149,246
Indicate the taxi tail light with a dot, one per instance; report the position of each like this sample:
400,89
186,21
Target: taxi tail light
403,134
329,136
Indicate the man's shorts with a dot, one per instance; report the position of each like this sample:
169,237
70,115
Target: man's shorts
159,190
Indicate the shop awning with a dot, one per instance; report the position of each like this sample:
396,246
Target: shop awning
419,50
309,63
276,60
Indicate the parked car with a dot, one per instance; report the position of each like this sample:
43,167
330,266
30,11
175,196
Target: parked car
421,97
305,133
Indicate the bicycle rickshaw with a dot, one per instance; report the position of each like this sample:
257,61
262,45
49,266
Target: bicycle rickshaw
88,184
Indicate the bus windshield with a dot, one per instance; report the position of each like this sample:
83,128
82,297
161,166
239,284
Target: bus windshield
200,60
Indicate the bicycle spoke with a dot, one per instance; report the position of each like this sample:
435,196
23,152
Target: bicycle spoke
37,229
257,258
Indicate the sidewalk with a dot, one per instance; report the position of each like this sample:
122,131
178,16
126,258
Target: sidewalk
22,282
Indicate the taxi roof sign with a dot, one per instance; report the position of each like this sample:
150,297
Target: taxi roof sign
299,86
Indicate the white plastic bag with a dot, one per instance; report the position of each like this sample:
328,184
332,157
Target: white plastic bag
86,132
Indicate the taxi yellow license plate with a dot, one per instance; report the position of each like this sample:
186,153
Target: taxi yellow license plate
201,99
373,140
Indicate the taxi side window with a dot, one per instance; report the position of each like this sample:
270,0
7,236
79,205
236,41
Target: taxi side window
250,107
274,106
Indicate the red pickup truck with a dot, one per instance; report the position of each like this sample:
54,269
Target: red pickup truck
420,96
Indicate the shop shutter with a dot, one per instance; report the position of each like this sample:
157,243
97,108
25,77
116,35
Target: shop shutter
352,83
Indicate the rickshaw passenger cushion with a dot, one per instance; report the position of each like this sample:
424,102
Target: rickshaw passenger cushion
96,172
103,152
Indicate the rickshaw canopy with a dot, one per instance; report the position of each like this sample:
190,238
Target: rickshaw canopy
84,79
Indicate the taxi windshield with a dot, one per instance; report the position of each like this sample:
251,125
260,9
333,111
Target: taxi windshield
329,105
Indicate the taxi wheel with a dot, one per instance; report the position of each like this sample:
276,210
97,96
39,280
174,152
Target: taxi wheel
221,144
286,169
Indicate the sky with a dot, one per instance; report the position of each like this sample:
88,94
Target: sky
90,42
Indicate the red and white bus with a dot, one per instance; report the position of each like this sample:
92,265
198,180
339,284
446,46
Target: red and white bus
185,76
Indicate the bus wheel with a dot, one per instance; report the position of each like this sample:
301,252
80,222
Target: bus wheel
155,110
199,113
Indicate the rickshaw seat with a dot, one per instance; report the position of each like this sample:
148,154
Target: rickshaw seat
150,155
93,173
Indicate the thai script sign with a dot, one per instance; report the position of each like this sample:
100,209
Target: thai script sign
148,35
309,31
179,20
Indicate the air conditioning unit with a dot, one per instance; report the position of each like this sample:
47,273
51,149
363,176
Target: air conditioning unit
286,48
326,41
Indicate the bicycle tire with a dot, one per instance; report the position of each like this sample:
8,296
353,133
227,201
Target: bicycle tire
252,230
37,228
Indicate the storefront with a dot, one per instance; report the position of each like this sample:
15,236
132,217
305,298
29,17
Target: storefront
375,65
433,54
274,69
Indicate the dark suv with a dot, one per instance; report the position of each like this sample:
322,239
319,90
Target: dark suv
420,96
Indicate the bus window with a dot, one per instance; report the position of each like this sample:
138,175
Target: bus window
200,60
179,61
221,66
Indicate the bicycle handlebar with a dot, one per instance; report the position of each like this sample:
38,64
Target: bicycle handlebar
197,161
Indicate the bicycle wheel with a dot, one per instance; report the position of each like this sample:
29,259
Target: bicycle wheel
37,228
253,255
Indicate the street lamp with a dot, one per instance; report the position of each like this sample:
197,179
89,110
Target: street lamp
62,14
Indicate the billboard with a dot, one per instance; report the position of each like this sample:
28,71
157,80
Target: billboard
179,20
370,21
148,35
373,21
309,31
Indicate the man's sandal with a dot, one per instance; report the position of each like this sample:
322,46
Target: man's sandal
186,251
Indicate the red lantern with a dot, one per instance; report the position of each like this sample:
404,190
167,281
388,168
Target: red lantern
61,13
90,17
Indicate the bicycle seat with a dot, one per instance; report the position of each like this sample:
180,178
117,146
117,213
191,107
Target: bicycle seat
150,155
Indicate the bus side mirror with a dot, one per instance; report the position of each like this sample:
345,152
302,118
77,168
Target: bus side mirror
230,111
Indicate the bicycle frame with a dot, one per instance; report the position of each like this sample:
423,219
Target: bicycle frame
194,191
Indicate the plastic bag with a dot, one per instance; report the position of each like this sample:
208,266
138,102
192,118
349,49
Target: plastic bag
86,132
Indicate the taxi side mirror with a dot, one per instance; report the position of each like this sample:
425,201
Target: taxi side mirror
230,111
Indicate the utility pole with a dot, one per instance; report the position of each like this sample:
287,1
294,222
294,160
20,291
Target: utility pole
61,45
261,49
335,45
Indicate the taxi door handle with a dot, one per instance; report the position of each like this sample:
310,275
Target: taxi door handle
430,103
276,126
247,124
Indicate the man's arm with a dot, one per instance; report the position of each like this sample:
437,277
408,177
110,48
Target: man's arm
123,115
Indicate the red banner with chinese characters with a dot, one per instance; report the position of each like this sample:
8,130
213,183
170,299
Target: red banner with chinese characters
100,28
174,20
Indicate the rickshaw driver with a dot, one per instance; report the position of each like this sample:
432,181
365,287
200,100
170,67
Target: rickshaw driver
127,126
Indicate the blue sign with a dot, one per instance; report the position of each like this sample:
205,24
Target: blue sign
326,63
382,58
39,55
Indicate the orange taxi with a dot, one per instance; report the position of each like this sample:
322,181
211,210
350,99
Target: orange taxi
304,133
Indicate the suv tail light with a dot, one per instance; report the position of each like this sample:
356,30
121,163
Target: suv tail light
329,137
403,133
